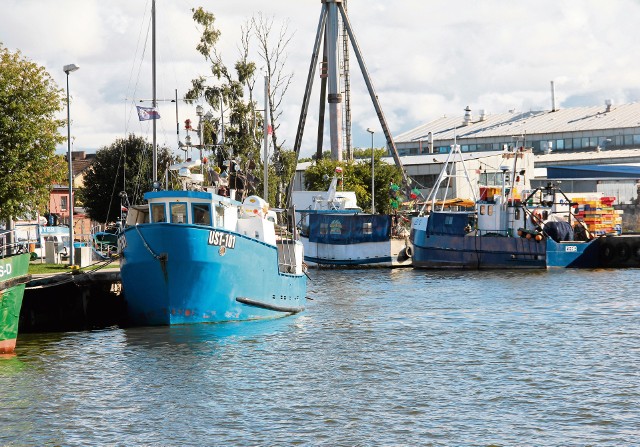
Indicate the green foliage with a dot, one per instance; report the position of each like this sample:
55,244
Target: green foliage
127,164
242,132
29,102
357,178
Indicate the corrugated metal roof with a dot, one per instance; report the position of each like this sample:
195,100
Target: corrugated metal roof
578,119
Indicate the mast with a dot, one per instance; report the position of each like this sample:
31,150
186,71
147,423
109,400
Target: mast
331,11
154,101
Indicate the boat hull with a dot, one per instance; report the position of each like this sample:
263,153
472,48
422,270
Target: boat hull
573,254
389,253
13,276
476,252
180,274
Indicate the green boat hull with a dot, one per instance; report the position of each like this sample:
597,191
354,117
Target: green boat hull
13,277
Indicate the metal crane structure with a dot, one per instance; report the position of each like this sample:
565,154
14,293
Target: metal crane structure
328,33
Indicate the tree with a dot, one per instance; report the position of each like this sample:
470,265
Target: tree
273,51
241,139
357,178
123,166
29,102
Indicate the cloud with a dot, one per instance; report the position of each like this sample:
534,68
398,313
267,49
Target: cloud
426,59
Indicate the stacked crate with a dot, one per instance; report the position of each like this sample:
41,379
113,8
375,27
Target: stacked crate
598,214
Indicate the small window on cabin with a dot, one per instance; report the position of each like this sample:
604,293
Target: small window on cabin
201,214
324,228
483,209
179,213
219,216
448,220
367,228
158,212
517,214
490,210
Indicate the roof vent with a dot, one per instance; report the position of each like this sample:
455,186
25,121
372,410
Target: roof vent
467,116
607,103
483,115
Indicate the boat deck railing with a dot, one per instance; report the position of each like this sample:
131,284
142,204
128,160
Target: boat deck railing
11,245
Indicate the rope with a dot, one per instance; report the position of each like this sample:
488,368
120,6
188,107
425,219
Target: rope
146,245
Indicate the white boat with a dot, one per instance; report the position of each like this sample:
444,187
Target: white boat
335,232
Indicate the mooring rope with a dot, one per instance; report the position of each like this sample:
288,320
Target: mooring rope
146,245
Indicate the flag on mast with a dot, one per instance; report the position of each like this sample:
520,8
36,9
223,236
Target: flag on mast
147,113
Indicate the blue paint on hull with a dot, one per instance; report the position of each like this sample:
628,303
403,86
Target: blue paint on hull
476,252
174,276
572,254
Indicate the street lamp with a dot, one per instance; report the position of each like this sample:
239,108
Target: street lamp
373,200
68,69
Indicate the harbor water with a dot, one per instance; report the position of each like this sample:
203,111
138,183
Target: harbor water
379,358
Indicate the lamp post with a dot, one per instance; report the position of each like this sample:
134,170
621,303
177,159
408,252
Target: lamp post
373,199
68,69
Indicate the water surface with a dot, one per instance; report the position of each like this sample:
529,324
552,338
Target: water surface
379,358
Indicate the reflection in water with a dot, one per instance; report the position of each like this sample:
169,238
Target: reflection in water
380,357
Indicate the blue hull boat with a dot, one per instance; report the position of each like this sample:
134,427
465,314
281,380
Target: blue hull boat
206,258
510,228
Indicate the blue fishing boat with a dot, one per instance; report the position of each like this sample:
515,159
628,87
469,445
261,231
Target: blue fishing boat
509,226
198,255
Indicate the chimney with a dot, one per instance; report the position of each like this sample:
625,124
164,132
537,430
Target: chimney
607,103
467,116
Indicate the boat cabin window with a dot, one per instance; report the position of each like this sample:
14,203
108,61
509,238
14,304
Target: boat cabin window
483,209
158,212
367,228
201,213
324,227
178,213
517,214
490,210
219,216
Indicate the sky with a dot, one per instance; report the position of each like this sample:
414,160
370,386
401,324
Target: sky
426,59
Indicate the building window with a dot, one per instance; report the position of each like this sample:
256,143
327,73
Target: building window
577,143
628,140
636,139
568,143
559,144
64,201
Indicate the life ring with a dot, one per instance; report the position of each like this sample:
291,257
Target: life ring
623,251
536,217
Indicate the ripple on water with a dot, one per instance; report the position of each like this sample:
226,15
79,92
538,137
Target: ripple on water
381,357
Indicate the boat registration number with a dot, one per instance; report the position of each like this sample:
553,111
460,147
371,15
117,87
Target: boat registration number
5,270
221,239
571,248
